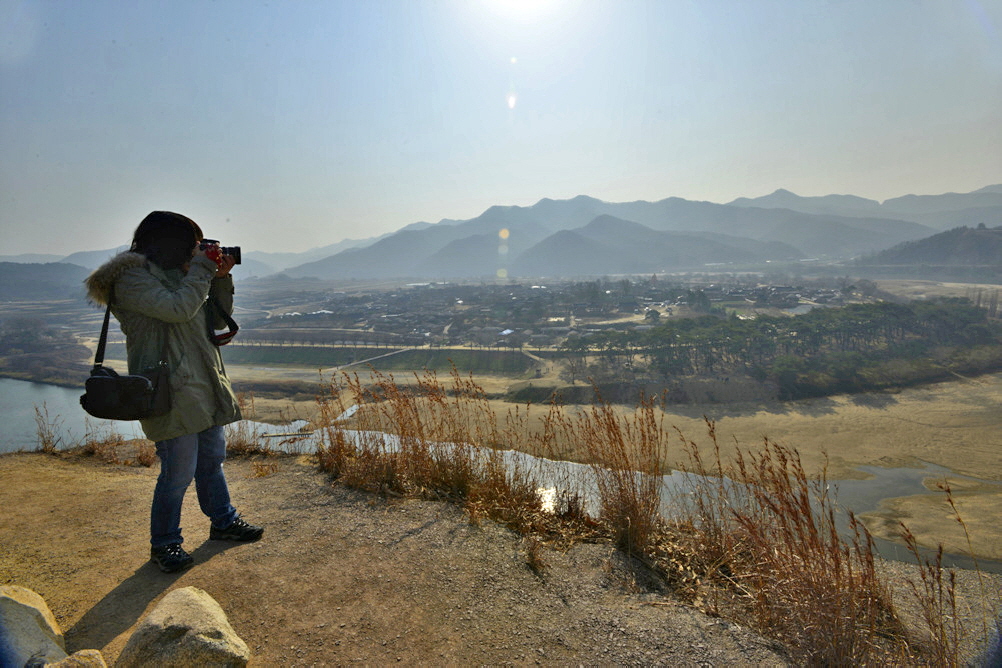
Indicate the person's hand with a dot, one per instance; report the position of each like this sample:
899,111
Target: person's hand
226,263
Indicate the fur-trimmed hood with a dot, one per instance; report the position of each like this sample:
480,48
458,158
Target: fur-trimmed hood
102,279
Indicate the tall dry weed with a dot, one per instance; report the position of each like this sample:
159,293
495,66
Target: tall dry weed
820,592
48,430
758,540
430,439
243,438
626,454
936,595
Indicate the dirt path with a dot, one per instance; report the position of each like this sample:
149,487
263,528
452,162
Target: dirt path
340,577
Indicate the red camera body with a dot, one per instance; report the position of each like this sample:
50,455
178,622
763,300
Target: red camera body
215,252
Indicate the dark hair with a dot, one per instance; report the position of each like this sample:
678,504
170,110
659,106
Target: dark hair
166,239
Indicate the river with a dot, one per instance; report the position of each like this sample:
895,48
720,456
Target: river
19,400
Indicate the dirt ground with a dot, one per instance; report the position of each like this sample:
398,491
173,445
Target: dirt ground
342,577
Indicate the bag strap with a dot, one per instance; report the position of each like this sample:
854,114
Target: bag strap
99,355
233,327
102,342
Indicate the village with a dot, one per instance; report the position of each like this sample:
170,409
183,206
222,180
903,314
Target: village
513,315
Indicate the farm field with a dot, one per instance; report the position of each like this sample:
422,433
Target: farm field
915,289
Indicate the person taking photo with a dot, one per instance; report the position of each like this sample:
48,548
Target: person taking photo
166,286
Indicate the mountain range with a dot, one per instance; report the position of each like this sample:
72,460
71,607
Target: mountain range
585,236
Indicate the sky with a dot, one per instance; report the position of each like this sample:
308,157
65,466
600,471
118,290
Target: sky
291,124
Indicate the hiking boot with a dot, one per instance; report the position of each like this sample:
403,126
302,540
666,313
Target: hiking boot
171,558
238,531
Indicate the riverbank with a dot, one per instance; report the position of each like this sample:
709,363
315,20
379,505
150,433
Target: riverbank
344,577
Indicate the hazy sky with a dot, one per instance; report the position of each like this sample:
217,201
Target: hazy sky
288,124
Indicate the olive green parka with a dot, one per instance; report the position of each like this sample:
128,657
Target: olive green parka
149,303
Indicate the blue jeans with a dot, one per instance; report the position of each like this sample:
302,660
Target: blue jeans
199,456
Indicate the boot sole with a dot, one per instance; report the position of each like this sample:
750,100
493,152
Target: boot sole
173,569
237,539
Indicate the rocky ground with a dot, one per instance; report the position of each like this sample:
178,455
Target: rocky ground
342,577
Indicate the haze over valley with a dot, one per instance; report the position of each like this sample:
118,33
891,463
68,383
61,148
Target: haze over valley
585,236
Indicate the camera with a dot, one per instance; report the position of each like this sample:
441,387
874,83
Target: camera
215,252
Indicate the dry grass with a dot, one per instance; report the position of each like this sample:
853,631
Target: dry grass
47,430
264,469
245,439
756,541
806,584
103,442
107,444
440,442
110,446
534,550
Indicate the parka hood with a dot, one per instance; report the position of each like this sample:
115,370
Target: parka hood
102,279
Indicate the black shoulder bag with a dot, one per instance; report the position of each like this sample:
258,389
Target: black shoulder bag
135,397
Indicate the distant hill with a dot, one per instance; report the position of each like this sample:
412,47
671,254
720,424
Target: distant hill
279,261
475,256
990,216
435,251
92,259
990,196
962,247
842,205
610,245
937,211
30,282
31,258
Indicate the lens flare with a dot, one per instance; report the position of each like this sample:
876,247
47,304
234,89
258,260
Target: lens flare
503,233
512,99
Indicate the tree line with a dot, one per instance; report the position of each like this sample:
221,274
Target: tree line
820,352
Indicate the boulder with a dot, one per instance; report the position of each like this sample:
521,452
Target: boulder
29,633
992,656
85,658
187,628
